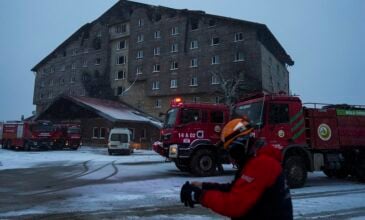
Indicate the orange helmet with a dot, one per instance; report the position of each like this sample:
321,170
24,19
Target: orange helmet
235,128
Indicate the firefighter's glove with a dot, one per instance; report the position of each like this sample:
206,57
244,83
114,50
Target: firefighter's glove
190,194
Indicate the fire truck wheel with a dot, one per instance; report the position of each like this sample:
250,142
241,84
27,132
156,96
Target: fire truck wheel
26,146
342,173
329,173
182,167
203,163
295,171
360,174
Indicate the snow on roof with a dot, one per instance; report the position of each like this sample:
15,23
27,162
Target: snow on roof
116,110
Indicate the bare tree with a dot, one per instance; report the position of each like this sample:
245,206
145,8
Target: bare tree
234,85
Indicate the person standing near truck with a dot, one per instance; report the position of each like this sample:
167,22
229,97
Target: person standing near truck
258,191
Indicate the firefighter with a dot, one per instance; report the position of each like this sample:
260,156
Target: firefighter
258,190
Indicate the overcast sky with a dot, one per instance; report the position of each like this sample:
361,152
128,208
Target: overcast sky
326,39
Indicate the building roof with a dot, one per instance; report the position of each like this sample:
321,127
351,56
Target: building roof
264,34
111,110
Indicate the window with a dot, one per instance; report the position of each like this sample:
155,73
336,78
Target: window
156,51
86,50
63,68
121,45
196,99
215,80
278,113
143,133
174,48
194,44
215,60
190,115
140,38
174,31
140,22
120,75
156,85
51,82
121,28
212,23
194,24
194,62
73,66
73,79
174,65
217,99
132,133
102,133
124,28
173,84
158,103
140,54
120,90
239,57
51,70
217,117
95,132
215,41
84,63
238,36
121,60
157,34
194,81
156,68
74,52
97,61
118,28
139,70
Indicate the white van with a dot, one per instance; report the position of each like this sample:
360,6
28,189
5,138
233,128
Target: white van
120,141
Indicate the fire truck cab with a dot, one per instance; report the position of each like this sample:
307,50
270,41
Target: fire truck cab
189,135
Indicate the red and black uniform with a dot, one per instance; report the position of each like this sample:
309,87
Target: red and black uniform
258,190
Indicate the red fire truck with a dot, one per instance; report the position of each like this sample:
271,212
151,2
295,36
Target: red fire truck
314,137
67,136
27,135
190,133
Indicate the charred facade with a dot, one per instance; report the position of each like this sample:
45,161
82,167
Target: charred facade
145,55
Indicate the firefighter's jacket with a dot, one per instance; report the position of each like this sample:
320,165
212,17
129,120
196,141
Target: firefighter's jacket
258,191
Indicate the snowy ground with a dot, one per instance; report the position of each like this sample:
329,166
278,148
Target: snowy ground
89,184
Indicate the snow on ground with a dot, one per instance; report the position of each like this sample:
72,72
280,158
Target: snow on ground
23,159
143,185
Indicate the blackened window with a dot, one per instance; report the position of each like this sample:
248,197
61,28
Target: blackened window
194,24
212,23
215,40
278,113
217,117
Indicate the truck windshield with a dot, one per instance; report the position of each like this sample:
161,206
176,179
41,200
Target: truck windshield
42,127
253,111
171,118
122,138
73,130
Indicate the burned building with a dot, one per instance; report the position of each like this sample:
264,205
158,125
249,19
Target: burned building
145,55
